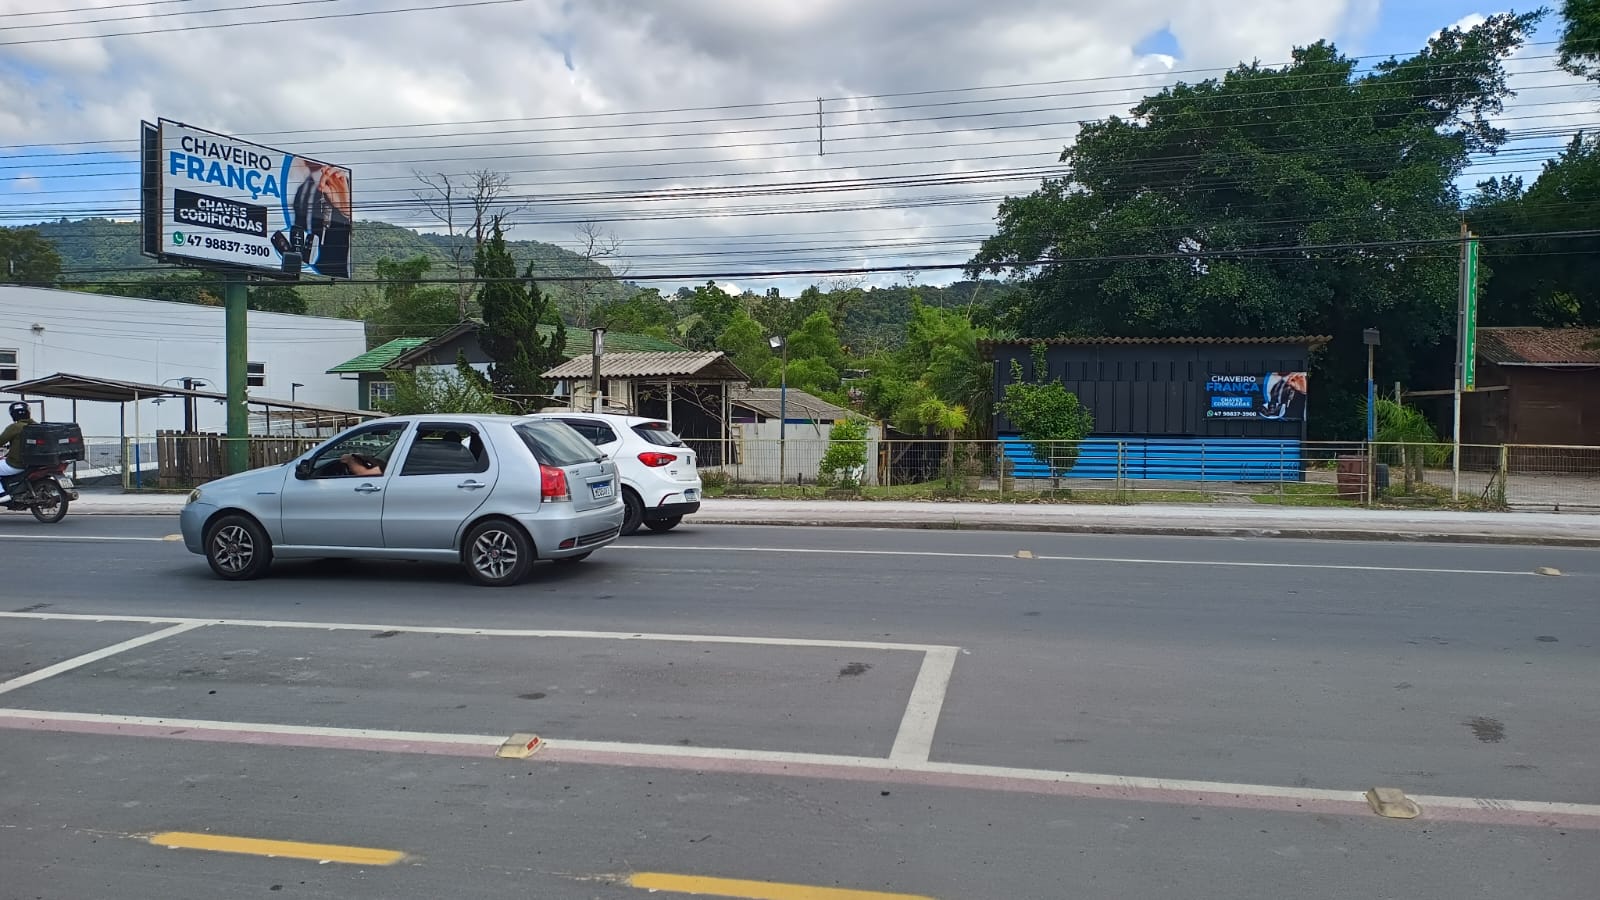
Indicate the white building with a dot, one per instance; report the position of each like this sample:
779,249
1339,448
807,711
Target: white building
45,331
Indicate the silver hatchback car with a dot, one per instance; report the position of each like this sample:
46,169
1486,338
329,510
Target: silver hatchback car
494,493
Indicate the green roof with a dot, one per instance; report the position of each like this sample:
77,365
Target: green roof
580,342
375,359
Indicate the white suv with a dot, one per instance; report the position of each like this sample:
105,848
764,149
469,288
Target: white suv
660,484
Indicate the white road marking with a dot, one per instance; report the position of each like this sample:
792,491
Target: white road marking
1086,559
488,632
68,665
914,741
88,538
488,744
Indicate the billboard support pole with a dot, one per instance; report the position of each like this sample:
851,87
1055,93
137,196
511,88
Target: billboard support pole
236,300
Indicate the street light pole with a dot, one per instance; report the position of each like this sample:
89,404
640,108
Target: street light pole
1370,338
782,344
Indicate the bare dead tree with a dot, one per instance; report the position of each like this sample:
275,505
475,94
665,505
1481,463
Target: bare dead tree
599,247
457,200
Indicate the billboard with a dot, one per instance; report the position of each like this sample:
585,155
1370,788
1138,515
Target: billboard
1275,396
212,200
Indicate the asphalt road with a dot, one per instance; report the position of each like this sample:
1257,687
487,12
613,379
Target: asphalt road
877,710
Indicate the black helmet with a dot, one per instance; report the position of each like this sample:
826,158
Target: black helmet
20,411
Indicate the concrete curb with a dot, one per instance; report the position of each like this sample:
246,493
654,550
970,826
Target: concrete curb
1298,533
1414,532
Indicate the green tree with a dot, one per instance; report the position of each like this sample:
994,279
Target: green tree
1579,50
845,461
1218,209
1046,414
26,257
747,346
646,312
432,390
816,338
1541,280
409,307
513,309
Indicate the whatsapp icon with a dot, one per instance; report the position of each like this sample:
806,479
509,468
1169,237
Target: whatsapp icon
177,238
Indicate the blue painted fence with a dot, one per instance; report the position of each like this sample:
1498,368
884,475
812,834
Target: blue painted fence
1169,459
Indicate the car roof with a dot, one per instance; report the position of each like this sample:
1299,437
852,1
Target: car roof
606,417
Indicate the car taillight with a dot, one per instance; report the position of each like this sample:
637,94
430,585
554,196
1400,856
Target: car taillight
654,459
553,484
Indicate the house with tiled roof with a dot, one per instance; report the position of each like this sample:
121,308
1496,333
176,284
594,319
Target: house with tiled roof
1534,386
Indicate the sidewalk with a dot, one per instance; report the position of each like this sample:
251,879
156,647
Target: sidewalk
1227,521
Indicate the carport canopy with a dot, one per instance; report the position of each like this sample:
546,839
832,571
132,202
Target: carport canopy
66,386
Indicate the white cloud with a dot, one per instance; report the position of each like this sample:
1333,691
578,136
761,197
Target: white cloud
509,62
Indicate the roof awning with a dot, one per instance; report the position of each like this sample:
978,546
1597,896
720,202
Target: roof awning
710,365
65,386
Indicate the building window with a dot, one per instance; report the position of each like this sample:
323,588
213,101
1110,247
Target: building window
9,370
256,374
378,392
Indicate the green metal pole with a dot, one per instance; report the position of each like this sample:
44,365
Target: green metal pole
236,297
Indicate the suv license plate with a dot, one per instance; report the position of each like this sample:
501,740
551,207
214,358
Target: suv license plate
691,495
600,490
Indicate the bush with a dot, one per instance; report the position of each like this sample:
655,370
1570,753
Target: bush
1046,414
714,479
845,463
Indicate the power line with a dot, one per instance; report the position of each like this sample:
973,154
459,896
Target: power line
206,27
194,12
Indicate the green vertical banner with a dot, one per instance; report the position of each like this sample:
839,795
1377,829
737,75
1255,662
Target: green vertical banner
1469,325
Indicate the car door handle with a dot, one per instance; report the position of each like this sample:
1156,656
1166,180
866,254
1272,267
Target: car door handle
471,485
367,489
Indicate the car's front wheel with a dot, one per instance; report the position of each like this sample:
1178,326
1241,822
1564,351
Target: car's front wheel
497,553
237,548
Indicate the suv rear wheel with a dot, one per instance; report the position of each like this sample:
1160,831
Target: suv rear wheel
632,511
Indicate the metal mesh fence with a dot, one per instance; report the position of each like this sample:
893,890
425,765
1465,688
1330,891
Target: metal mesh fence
1551,478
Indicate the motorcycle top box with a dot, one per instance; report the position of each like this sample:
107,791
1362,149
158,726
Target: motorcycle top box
48,443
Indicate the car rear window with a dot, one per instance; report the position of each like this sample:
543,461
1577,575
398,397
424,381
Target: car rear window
555,443
657,433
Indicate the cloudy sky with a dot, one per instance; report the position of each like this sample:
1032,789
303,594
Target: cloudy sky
607,110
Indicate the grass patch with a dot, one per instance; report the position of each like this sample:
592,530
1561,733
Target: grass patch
1301,494
938,490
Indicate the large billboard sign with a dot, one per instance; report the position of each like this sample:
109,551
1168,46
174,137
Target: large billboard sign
1275,396
218,201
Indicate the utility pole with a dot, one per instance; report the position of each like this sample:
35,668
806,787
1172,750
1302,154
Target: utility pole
236,300
597,394
1466,347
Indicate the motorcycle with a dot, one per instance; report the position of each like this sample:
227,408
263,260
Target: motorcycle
45,491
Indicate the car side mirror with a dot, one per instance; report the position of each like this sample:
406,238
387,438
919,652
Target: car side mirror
302,469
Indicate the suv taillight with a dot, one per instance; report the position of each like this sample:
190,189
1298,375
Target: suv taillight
655,459
553,484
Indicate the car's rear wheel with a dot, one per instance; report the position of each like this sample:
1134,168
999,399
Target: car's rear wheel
237,548
632,512
497,553
666,524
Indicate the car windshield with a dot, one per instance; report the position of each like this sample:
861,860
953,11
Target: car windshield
657,433
556,443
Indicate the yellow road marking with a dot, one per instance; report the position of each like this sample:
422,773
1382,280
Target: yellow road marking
356,856
753,890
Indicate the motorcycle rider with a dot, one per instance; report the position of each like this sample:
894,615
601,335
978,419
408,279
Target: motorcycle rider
11,439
